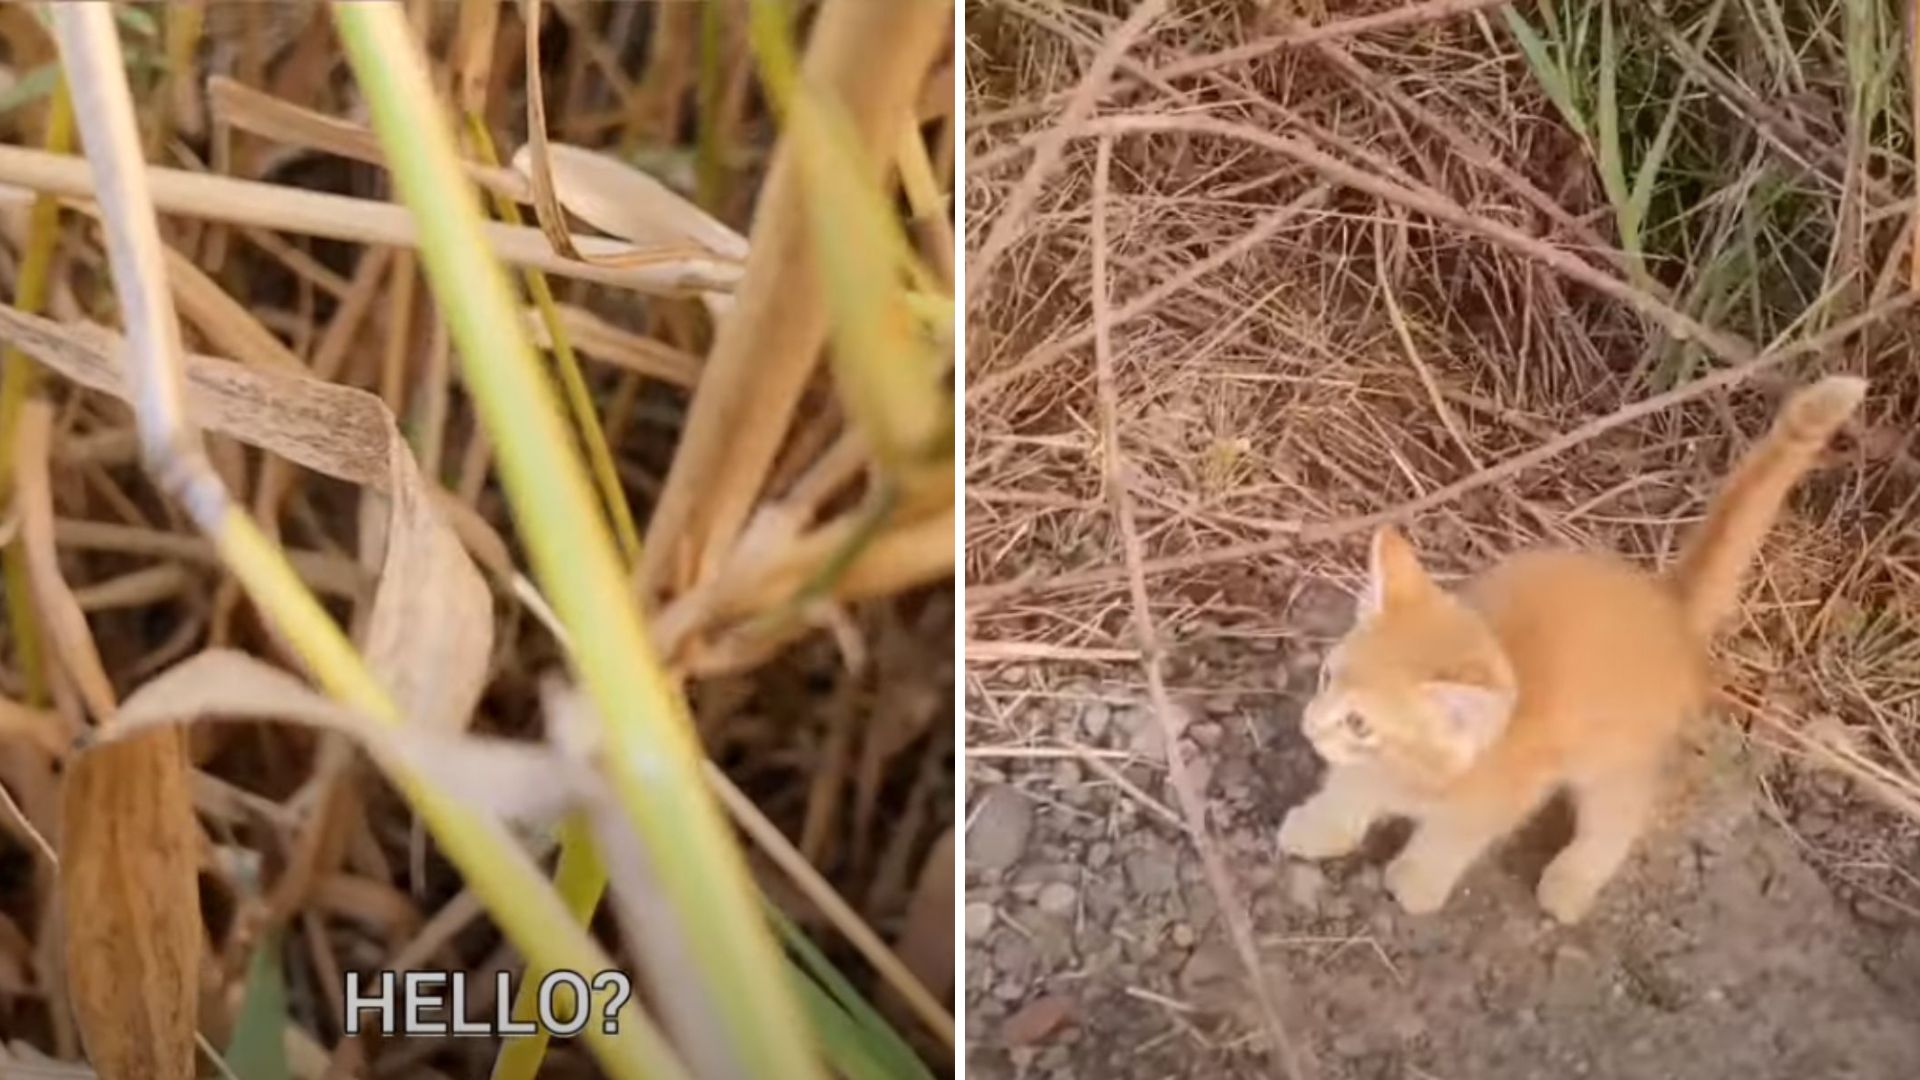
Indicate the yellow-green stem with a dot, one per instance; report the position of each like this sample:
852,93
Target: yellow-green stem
652,758
572,381
579,877
18,380
522,904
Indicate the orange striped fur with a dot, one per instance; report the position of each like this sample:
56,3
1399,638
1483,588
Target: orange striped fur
1554,669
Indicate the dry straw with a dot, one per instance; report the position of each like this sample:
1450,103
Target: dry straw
1371,271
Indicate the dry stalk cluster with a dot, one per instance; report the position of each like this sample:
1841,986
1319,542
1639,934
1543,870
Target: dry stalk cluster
656,225
1369,269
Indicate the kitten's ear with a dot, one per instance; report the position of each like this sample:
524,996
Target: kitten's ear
1474,715
1393,572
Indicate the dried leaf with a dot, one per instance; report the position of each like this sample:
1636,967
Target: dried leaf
285,122
330,429
624,202
66,623
430,635
131,906
515,781
431,631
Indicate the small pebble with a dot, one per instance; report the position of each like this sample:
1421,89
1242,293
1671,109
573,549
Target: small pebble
1058,898
980,918
1002,820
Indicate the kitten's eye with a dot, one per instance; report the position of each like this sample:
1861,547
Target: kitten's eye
1358,727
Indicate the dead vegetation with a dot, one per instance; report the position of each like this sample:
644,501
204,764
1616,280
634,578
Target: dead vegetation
1509,275
270,417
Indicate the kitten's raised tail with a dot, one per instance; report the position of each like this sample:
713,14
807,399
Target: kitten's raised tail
1715,559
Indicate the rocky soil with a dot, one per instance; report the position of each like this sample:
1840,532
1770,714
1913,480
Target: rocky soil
1093,946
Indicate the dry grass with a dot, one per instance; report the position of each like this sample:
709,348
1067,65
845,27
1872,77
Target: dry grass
818,670
1377,275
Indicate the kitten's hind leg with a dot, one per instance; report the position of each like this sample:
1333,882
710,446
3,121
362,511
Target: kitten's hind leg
1609,813
1335,820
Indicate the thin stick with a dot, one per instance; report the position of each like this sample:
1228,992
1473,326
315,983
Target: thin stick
1263,230
1305,532
1239,923
1405,333
1410,15
370,221
169,444
1683,327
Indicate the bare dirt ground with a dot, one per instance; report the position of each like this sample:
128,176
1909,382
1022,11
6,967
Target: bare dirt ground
1094,948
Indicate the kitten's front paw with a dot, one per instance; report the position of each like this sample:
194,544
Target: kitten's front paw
1419,889
1565,894
1307,834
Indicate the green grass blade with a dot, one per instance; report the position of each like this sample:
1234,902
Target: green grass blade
652,758
31,87
1549,73
841,1041
1613,169
580,878
258,1048
877,1039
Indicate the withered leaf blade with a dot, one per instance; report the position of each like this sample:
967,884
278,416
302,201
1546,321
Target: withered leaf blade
336,430
72,641
515,781
430,635
431,630
131,906
625,202
130,903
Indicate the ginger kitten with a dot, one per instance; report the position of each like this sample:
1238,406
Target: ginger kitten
1553,669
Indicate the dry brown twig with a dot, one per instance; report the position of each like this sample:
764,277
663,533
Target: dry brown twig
1724,345
1047,150
983,389
992,593
1192,804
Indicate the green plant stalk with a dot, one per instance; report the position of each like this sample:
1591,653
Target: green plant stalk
573,382
520,900
17,383
579,878
652,758
877,1039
